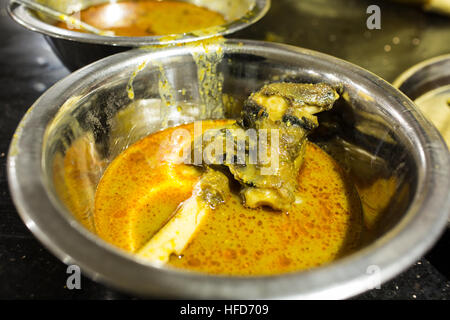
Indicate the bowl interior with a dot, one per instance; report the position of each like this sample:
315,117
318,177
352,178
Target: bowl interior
231,10
91,129
395,158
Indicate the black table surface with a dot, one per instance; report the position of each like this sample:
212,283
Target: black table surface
28,67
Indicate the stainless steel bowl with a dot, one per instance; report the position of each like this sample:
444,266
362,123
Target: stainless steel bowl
428,85
424,77
375,132
77,49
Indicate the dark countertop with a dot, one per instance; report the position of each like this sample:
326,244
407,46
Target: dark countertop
28,68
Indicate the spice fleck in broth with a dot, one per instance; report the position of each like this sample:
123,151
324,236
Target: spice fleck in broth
142,187
149,18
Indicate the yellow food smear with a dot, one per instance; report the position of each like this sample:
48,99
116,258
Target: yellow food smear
142,188
75,176
149,18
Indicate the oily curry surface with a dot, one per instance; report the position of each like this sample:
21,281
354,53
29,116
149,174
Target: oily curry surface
143,186
149,18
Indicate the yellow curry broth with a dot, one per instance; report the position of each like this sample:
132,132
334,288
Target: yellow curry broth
324,223
142,188
149,18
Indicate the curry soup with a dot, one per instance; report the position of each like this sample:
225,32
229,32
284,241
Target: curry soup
142,188
148,18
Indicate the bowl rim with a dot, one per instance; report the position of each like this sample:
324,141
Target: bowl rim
22,16
397,249
413,70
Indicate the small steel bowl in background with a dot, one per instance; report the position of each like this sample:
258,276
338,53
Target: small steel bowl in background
424,77
375,132
76,49
428,85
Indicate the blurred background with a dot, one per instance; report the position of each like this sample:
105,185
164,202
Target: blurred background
408,34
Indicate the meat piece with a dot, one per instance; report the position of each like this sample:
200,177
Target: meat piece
281,116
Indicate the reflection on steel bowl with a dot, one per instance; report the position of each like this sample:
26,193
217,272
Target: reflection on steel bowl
77,49
396,160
